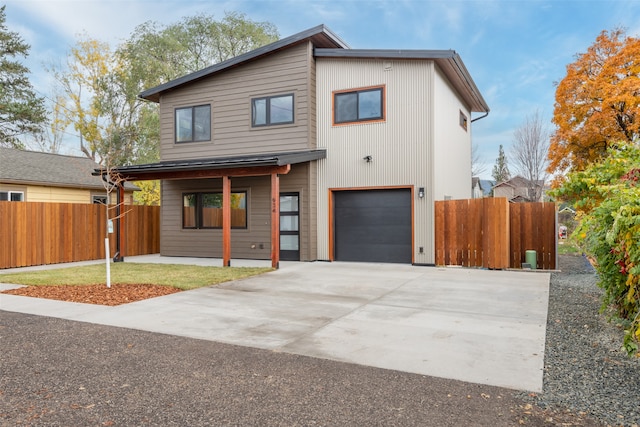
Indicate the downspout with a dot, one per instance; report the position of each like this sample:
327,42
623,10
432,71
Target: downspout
481,117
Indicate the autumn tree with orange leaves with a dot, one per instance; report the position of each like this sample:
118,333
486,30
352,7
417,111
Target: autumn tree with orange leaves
597,103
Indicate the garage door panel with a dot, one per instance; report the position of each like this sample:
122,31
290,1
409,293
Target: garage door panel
378,253
385,233
373,225
373,219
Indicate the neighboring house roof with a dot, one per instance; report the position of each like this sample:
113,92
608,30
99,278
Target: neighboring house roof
517,187
517,182
252,160
50,170
519,199
327,44
321,36
567,209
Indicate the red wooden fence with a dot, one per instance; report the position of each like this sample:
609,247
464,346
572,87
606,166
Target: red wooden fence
34,233
493,233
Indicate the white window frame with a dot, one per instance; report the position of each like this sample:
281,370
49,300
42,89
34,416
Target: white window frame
10,196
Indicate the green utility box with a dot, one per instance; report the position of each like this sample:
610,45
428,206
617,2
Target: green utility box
531,258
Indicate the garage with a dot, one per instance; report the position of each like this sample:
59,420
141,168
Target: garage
373,225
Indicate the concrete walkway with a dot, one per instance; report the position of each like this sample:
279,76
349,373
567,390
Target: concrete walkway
472,325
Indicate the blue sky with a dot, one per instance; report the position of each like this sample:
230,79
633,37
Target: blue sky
515,50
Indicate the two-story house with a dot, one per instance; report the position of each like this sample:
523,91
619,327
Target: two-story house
305,149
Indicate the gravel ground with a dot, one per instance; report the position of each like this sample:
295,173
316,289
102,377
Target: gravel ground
585,368
57,372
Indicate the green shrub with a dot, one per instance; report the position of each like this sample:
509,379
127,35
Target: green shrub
607,196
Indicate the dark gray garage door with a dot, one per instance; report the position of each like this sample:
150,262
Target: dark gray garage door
372,225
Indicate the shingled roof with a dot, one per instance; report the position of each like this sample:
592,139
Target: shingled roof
51,170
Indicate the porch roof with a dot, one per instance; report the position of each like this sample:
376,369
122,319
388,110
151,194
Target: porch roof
197,168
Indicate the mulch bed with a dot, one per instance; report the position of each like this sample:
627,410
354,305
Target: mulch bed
117,294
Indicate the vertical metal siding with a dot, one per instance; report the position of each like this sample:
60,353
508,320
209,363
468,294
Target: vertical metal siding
400,146
452,144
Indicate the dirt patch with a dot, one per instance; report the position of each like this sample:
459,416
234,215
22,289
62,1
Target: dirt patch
117,294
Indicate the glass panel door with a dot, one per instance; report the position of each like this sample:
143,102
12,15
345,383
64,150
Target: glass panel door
290,226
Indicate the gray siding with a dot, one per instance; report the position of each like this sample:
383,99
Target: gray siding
230,94
251,243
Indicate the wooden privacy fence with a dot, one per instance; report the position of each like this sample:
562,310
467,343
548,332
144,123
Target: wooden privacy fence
34,233
493,233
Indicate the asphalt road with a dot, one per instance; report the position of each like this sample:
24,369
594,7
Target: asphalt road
57,372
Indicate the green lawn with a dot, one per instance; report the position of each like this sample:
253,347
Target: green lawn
178,276
568,247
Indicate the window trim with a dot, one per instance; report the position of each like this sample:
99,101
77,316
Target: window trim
268,110
198,210
464,121
193,122
12,192
383,105
103,199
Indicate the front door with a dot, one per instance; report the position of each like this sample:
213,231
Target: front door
290,226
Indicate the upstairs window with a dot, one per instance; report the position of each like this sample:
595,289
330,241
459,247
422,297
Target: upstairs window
204,210
11,196
463,121
193,123
360,105
272,110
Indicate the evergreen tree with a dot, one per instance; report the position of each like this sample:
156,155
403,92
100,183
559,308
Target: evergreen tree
500,171
21,111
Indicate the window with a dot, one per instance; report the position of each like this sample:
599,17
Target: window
204,210
463,120
358,106
99,200
193,124
11,196
272,110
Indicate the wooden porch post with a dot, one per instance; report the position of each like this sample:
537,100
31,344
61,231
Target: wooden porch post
275,220
226,221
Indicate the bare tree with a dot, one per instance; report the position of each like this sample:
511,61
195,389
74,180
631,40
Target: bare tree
477,163
112,180
529,153
50,141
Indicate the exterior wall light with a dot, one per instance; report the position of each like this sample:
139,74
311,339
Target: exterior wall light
421,192
368,158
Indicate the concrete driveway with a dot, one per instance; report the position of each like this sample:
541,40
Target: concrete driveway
472,325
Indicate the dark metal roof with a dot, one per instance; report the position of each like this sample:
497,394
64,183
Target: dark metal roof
320,36
448,61
50,170
252,160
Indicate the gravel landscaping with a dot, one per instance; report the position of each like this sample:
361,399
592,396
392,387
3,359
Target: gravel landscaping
585,368
72,373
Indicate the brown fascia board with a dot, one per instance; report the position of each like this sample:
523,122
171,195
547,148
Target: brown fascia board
448,60
319,35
